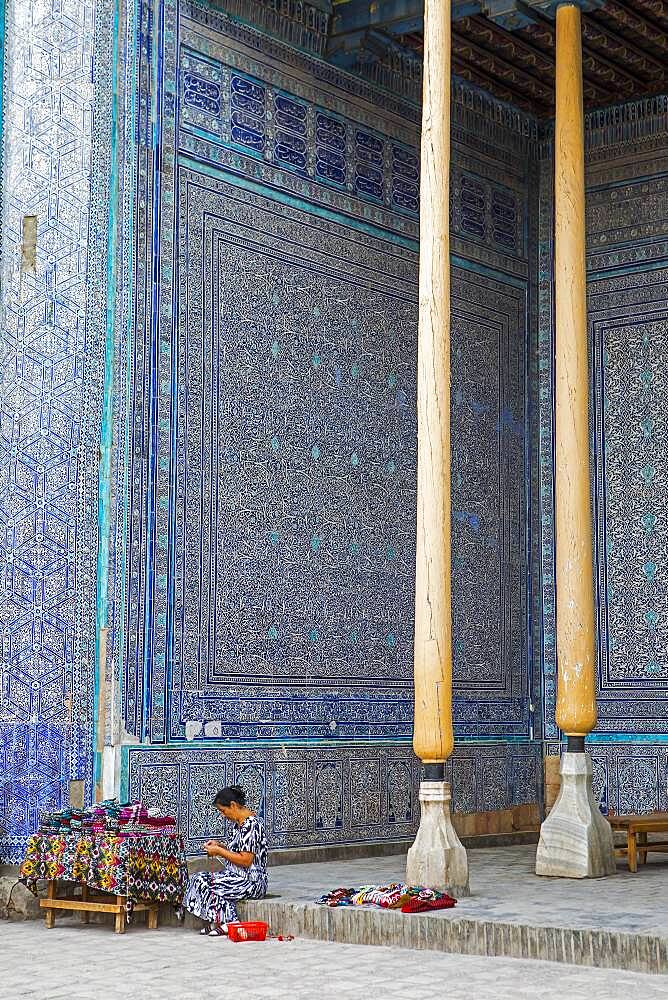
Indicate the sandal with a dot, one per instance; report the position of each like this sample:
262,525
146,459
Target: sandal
218,930
204,931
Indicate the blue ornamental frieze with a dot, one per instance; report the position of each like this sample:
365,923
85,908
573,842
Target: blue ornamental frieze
291,133
405,178
330,149
204,95
488,213
247,113
294,135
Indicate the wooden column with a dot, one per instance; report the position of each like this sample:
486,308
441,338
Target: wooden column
433,739
575,839
576,655
437,858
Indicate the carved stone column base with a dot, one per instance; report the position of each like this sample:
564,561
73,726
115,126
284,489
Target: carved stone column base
437,859
575,839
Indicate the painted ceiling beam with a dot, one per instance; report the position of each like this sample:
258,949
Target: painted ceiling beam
403,17
625,43
397,17
641,22
540,18
461,43
477,76
545,59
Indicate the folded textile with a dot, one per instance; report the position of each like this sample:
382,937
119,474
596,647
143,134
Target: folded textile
395,896
388,897
337,897
128,819
417,905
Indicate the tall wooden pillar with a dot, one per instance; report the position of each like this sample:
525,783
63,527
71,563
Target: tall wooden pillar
576,650
575,839
437,858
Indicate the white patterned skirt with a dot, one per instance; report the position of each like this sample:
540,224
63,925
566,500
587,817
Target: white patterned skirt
213,896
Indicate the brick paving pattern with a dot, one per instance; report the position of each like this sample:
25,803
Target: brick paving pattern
75,962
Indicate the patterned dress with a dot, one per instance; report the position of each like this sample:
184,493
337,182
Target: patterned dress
213,895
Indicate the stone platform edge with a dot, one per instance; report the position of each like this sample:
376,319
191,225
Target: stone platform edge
605,949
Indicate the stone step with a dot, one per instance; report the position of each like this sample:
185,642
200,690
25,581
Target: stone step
445,931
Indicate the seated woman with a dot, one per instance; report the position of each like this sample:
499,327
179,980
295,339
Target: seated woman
212,896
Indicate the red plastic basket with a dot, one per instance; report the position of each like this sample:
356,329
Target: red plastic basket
251,930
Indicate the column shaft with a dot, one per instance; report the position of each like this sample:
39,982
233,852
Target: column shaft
433,739
575,839
437,858
576,655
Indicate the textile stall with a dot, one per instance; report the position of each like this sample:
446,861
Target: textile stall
126,851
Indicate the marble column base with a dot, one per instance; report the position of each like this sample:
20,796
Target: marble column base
575,839
437,859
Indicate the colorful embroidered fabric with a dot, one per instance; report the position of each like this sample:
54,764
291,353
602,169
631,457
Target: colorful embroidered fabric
418,905
388,897
149,867
129,819
397,895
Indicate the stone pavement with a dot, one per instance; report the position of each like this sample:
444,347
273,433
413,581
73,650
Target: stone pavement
77,962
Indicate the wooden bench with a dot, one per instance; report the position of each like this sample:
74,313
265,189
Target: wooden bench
85,905
636,829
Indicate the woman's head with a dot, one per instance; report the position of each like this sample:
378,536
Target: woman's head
231,802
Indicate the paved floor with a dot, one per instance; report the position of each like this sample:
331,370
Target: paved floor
73,962
504,887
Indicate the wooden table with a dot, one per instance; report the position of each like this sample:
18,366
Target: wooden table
637,828
87,904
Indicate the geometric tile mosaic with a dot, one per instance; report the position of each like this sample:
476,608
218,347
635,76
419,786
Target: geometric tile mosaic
51,360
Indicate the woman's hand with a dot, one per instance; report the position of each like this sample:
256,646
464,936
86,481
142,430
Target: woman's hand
212,848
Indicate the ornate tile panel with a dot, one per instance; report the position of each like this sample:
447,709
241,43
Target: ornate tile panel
294,663
323,794
629,776
56,166
628,319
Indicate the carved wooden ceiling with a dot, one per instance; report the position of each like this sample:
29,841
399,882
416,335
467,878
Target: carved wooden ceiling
508,48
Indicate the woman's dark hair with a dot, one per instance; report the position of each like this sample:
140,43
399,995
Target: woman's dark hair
226,796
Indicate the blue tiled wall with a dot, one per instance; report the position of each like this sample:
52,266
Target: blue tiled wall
224,311
268,615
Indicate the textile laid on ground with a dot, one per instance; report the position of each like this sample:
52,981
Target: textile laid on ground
125,849
396,896
417,905
212,896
